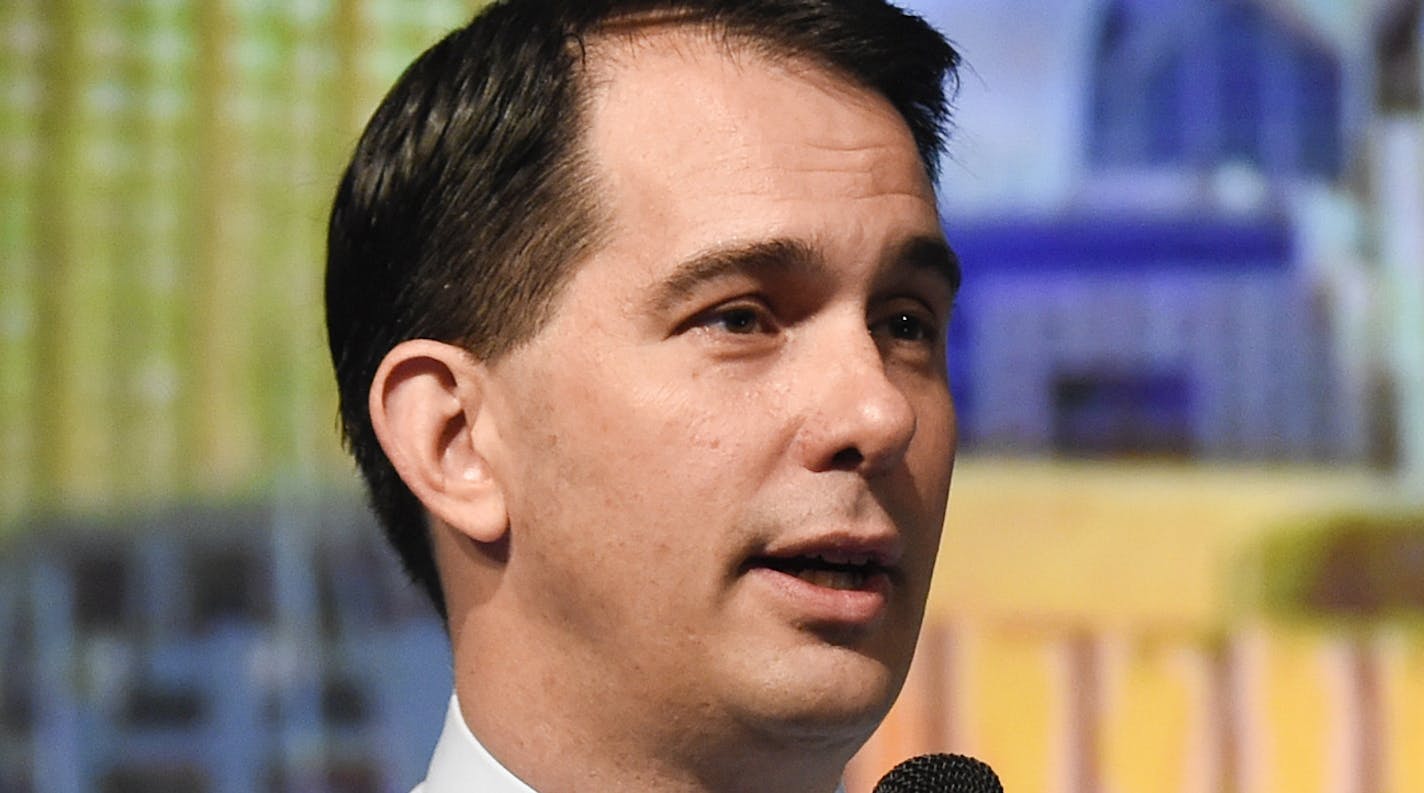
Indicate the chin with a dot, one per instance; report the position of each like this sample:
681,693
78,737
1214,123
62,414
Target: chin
825,695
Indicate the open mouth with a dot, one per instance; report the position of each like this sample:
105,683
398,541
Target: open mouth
842,574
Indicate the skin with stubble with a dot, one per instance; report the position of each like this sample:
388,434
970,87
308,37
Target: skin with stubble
750,373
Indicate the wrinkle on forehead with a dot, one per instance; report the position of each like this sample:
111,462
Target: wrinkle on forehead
860,170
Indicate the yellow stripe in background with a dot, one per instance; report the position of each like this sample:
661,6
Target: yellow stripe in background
1013,708
1299,715
1153,709
1401,658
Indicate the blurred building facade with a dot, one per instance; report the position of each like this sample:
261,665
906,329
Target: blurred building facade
1206,246
220,650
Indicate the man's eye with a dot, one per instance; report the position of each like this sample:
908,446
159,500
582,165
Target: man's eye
741,320
905,326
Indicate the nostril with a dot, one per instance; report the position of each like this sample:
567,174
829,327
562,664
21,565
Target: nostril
847,459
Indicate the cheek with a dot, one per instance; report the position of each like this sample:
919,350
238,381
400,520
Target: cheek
617,457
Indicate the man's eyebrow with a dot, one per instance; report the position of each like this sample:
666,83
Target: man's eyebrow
760,258
930,253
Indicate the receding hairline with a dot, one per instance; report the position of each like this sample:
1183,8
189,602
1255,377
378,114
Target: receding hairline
617,41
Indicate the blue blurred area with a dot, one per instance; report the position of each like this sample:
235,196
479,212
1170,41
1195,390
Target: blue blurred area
224,649
1142,336
1121,245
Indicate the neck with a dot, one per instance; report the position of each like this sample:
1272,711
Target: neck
560,735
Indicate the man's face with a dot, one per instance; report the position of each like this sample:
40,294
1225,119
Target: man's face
726,457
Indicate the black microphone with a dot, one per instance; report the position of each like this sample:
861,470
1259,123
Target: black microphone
940,773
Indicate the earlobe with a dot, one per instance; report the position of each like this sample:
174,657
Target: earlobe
427,403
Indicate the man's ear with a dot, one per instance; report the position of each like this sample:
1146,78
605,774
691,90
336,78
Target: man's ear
426,403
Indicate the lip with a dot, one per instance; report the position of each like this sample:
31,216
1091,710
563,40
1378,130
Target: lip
883,549
811,603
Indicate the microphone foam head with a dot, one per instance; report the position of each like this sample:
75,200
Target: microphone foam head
940,773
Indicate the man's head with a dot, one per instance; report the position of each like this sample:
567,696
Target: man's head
469,199
641,307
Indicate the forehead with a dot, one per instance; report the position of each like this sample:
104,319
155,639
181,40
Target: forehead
703,140
690,91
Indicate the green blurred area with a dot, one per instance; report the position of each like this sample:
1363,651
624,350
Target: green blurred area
168,169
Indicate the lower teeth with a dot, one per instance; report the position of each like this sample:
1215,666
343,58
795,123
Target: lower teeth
833,579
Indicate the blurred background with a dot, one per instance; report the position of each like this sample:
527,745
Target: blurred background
1185,548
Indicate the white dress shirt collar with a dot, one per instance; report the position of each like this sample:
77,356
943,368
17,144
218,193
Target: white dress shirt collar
461,764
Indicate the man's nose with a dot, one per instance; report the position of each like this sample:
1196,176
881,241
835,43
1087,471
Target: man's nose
857,418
